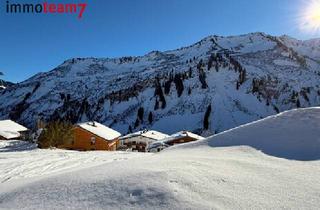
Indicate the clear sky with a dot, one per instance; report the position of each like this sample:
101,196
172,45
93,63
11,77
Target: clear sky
31,43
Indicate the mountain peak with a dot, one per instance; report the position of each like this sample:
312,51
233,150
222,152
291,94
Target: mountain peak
222,82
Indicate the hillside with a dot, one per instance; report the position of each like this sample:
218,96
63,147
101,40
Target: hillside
213,85
5,84
226,171
292,134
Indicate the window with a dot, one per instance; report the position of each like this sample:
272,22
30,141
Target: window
93,140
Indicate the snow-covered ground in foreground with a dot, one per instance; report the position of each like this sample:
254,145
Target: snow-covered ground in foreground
20,159
196,175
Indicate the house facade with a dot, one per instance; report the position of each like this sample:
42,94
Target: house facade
93,136
182,137
157,146
140,140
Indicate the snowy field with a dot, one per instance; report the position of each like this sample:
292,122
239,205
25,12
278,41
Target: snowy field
20,159
262,165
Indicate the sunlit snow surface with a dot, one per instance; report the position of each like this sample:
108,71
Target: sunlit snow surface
191,176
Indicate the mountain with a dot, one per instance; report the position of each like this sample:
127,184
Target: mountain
5,84
213,85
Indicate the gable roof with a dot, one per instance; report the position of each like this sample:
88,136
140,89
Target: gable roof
182,134
100,130
157,144
151,134
9,125
10,129
9,134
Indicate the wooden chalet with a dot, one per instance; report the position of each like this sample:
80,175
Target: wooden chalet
182,137
94,136
139,141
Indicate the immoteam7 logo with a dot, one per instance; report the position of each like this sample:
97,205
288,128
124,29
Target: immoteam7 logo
47,8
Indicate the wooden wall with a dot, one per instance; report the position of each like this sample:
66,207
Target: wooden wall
181,140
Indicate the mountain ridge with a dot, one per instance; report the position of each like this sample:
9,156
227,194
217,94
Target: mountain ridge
241,78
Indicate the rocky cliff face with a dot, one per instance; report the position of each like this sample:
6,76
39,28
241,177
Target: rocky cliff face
208,87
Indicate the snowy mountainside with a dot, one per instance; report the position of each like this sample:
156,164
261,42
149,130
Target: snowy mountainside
5,84
210,86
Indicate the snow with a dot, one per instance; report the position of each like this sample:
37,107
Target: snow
277,62
9,134
21,160
182,134
206,174
9,125
174,123
309,48
248,43
100,130
279,135
285,63
151,134
156,146
10,129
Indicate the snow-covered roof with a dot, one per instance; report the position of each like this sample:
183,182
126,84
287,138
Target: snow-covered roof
157,144
100,130
182,134
151,134
10,129
9,134
9,125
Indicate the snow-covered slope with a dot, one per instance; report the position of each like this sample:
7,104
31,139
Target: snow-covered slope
292,135
191,176
210,86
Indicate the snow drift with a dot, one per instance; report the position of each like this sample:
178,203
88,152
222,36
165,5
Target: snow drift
293,135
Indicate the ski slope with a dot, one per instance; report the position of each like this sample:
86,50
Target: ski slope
232,170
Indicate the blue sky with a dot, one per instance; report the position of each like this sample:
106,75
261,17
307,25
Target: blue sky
31,43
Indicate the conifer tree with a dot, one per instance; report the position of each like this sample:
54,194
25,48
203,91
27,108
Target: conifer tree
130,129
136,123
179,84
298,103
156,105
56,134
206,118
140,113
150,118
